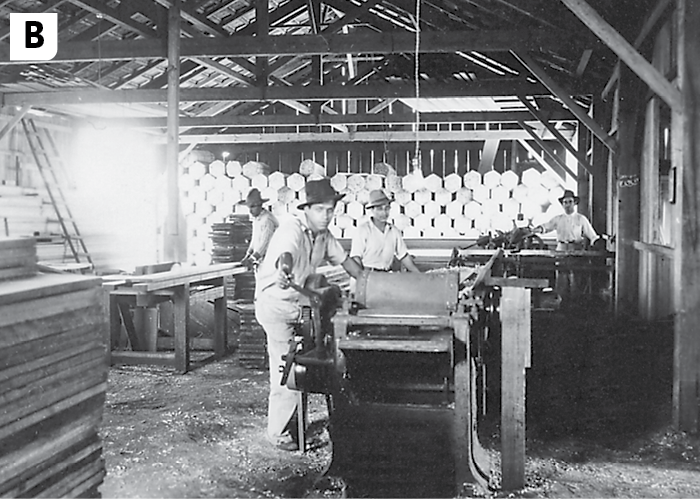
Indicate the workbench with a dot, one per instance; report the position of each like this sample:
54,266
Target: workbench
175,288
596,267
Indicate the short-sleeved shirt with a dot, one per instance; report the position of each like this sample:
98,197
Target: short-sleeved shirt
377,248
264,226
308,252
571,228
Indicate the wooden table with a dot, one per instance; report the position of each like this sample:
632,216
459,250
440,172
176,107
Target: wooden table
177,287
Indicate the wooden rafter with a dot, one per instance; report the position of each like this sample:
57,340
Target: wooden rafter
251,46
325,92
625,51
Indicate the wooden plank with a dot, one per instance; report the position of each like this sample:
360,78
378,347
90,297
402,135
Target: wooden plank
32,368
17,333
193,275
56,376
17,242
61,396
488,155
51,405
515,319
53,466
17,461
71,480
44,370
31,310
155,358
44,285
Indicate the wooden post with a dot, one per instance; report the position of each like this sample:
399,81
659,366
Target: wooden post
181,309
685,128
515,357
175,240
599,160
627,167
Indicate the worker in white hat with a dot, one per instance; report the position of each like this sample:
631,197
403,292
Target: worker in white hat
377,241
264,225
297,248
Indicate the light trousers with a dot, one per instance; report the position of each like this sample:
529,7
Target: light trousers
277,317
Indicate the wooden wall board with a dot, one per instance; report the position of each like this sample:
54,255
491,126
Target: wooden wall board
46,307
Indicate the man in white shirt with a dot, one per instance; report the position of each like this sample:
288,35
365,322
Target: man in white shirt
572,230
277,306
264,225
571,226
376,242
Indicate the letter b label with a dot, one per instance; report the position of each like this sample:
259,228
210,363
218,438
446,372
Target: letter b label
33,37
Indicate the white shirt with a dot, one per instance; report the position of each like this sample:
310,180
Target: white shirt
571,228
308,252
376,248
264,226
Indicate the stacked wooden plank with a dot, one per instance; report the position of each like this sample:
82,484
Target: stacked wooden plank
230,242
17,258
252,344
53,379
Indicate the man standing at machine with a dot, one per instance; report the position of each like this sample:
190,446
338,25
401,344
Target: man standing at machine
264,225
377,241
572,229
297,248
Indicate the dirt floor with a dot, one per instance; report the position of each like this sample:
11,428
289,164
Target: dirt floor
598,403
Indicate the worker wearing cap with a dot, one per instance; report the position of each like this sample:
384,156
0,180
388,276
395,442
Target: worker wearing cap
376,242
572,228
264,225
278,306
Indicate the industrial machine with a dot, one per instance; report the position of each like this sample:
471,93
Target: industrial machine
402,363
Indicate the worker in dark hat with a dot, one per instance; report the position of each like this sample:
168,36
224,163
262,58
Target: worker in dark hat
377,242
572,228
572,231
297,248
264,225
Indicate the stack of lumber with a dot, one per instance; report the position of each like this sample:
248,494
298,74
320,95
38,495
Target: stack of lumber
53,379
17,258
252,346
230,242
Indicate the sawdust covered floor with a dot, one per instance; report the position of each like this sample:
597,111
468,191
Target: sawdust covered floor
598,423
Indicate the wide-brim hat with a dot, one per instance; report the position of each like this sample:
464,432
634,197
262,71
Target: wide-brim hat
377,198
569,194
320,191
253,197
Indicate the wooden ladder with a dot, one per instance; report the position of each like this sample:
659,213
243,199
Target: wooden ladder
45,155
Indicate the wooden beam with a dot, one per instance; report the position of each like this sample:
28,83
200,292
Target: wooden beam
627,167
98,7
322,44
381,137
564,96
14,120
685,130
499,87
488,155
562,169
543,162
369,118
557,134
174,242
625,51
649,24
515,348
